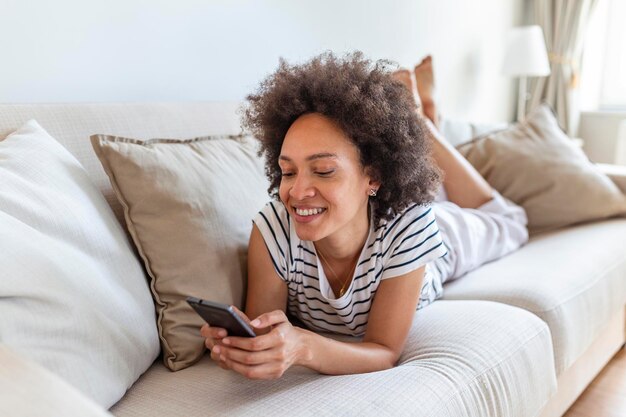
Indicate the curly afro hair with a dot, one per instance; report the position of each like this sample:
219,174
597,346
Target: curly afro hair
377,112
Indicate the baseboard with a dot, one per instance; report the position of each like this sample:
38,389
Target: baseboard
573,381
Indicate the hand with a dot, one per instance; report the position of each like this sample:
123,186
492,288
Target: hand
267,356
214,336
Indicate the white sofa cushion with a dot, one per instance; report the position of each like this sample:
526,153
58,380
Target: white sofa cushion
574,279
73,297
461,356
27,389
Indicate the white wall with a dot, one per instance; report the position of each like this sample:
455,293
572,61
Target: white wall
177,50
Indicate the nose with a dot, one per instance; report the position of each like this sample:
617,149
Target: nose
302,188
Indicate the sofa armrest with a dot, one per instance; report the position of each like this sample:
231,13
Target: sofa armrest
617,173
27,389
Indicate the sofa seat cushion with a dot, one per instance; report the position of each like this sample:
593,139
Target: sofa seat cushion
574,279
462,358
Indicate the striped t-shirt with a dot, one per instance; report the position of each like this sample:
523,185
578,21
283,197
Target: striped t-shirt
392,248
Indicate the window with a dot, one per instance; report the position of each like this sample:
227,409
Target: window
603,83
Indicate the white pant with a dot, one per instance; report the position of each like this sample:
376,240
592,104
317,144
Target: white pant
477,236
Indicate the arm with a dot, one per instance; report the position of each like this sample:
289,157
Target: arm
387,329
463,184
270,355
266,292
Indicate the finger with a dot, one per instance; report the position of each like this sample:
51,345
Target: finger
250,358
214,332
269,319
217,358
215,355
209,343
267,371
253,344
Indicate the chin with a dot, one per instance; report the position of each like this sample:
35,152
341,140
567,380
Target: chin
308,233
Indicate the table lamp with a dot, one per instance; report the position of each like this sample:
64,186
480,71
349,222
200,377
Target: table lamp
525,56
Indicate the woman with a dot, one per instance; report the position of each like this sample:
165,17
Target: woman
353,245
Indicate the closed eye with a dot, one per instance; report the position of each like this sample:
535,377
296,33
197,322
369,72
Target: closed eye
325,173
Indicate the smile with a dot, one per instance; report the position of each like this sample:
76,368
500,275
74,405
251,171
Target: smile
308,212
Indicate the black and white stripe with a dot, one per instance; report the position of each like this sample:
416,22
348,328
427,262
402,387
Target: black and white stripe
399,246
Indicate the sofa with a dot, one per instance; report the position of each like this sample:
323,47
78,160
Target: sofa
521,336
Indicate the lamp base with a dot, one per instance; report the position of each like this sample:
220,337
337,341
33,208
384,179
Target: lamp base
521,99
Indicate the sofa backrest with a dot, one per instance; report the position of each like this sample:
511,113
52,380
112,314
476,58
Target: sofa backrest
72,124
458,132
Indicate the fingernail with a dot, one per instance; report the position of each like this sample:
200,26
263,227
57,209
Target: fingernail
255,322
221,333
216,349
226,341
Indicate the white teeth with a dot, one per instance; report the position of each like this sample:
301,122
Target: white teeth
309,212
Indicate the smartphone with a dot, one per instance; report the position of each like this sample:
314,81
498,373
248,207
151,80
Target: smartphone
221,315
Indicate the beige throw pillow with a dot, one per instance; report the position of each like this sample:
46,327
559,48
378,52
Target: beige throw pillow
536,165
189,206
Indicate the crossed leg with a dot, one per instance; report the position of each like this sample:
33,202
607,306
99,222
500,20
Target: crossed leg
477,224
463,184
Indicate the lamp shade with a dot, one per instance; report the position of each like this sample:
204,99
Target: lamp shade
526,53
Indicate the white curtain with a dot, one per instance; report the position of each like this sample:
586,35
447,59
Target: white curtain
564,24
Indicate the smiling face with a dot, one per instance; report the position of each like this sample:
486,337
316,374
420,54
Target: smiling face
324,186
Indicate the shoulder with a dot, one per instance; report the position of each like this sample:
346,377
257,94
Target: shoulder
411,240
272,222
414,217
274,212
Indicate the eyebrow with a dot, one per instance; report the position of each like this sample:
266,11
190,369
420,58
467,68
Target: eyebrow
311,157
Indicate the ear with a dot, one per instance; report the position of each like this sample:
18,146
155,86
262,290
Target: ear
373,178
374,184
373,181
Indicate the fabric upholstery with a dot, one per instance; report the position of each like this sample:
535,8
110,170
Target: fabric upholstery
73,297
617,174
447,369
573,279
458,132
72,124
188,206
535,165
516,374
28,389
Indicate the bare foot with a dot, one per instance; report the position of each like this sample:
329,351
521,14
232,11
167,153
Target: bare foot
425,81
404,76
